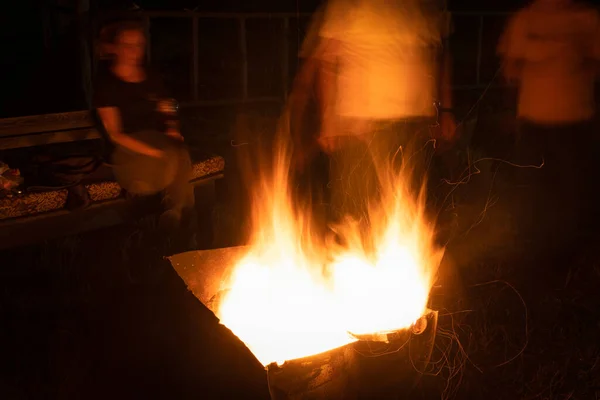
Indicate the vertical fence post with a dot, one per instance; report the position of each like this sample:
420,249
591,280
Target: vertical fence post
479,49
285,68
244,52
196,57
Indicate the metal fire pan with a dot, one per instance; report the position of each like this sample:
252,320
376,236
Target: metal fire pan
393,367
205,271
380,366
329,375
373,367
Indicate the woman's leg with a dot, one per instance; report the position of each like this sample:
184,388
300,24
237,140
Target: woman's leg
140,174
179,194
143,175
180,216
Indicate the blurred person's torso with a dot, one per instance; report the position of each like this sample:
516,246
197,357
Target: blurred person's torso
386,64
561,48
138,103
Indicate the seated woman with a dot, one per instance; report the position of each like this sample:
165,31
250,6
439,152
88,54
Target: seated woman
141,121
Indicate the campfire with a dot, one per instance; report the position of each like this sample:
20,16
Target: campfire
290,296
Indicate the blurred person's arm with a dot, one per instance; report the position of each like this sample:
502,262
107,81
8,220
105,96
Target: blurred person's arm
596,42
511,48
300,96
317,76
303,89
168,108
446,119
327,84
318,73
333,37
111,119
445,88
595,58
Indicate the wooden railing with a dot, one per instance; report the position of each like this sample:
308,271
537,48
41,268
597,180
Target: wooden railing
478,82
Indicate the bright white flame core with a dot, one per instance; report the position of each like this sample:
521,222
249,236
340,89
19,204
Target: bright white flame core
291,297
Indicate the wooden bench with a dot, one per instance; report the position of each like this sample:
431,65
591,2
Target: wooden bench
34,216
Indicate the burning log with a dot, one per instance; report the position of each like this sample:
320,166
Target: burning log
369,366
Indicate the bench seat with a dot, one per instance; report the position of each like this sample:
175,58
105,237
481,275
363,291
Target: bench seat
35,203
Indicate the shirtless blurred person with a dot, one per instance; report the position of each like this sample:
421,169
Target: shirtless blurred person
381,80
551,50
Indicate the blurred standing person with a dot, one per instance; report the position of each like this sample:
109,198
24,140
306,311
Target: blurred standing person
141,121
551,50
380,76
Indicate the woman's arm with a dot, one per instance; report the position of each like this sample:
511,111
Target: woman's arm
112,123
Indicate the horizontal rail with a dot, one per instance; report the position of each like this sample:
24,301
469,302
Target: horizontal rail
22,140
51,122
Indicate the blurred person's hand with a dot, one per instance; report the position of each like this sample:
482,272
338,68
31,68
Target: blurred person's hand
175,134
328,139
448,127
155,153
512,71
300,161
329,144
448,132
167,106
303,156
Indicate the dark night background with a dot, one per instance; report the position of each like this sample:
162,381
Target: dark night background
40,66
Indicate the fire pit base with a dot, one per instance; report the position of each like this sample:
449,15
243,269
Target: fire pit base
323,376
375,367
392,368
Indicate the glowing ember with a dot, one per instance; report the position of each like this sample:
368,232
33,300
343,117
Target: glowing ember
292,297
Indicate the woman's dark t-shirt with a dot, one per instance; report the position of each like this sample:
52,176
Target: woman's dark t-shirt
137,102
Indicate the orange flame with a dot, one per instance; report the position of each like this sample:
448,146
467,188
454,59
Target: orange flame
292,296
